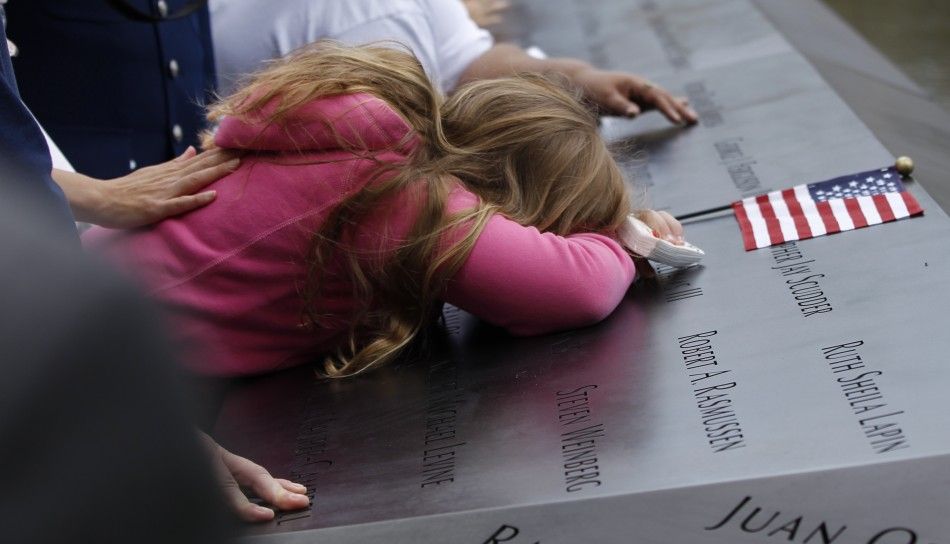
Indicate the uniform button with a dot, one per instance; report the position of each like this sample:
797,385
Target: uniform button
177,133
162,6
133,165
173,68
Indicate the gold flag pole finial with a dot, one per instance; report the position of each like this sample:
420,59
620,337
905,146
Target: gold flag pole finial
904,165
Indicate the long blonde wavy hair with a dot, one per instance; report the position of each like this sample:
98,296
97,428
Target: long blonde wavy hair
527,147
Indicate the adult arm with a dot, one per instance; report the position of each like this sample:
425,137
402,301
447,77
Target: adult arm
440,34
531,282
617,93
487,12
24,157
148,194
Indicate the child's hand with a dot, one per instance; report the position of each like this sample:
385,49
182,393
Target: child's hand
658,236
233,470
664,225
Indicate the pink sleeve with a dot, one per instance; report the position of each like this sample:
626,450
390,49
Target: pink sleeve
531,282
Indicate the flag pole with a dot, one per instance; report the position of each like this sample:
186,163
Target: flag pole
904,166
691,215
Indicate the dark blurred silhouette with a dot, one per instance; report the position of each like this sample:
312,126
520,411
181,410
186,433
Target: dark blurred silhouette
96,443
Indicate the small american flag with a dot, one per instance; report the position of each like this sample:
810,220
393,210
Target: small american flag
839,204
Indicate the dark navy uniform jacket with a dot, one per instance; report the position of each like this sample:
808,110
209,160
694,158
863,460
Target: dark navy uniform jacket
25,164
118,84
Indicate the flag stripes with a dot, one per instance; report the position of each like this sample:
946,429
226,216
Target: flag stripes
795,214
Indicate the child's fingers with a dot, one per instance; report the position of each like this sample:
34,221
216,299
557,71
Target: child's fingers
256,477
674,227
292,486
655,221
650,217
664,225
244,508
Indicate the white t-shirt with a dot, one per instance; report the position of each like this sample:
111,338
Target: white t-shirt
439,32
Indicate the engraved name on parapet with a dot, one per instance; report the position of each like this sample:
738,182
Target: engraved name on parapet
859,386
579,441
738,165
767,522
444,398
712,391
803,284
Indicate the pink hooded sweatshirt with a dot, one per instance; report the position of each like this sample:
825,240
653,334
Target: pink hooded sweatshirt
231,273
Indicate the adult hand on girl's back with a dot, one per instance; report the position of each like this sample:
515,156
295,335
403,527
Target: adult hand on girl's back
149,194
627,95
171,188
234,471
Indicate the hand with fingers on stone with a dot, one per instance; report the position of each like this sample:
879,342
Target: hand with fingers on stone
623,94
234,472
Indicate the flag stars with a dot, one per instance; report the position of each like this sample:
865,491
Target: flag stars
862,184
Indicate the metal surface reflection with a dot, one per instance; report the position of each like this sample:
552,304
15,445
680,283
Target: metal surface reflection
478,424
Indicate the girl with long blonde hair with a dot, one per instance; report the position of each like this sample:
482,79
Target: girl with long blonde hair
365,200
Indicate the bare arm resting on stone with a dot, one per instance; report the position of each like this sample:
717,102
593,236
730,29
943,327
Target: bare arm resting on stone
616,93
